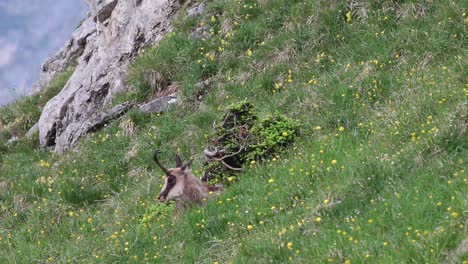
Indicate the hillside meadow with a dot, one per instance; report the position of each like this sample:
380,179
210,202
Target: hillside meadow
376,173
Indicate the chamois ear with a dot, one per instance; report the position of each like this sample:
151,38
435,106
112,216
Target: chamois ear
187,165
178,162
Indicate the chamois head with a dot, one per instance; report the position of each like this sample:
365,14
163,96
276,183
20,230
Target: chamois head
180,185
176,179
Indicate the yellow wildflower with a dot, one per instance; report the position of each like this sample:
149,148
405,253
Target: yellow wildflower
348,16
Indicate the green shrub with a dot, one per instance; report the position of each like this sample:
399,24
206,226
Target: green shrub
271,135
241,138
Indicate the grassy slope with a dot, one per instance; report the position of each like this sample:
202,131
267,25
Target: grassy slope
378,174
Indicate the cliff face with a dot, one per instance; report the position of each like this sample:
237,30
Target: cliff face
102,46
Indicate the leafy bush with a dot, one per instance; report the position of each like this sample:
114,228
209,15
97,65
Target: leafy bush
271,134
241,138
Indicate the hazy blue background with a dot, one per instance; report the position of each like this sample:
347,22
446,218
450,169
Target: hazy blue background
31,31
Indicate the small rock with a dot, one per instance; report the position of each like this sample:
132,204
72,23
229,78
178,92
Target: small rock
204,87
12,139
204,84
458,253
200,32
5,186
158,105
196,10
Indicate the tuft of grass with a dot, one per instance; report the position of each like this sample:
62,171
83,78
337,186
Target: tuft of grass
16,118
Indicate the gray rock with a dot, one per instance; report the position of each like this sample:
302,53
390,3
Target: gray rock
68,55
104,57
197,10
96,121
457,254
33,130
204,84
200,32
106,10
12,140
158,105
203,88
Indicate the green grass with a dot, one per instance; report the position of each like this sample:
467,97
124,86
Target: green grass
377,175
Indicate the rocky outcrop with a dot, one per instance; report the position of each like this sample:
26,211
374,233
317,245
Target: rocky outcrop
103,45
99,119
67,56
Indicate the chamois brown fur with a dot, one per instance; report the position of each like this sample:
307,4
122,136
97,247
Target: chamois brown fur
181,186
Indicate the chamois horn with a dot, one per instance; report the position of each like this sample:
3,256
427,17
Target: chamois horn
155,157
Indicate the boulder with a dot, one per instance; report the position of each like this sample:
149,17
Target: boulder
99,119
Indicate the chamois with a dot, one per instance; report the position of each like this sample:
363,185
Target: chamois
181,186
